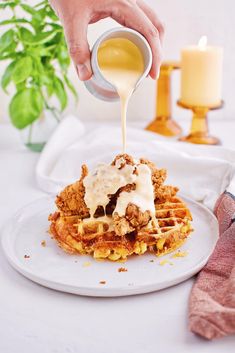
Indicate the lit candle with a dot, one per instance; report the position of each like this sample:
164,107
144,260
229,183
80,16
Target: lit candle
201,77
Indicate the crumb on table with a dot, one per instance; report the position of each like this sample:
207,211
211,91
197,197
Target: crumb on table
102,282
87,264
43,243
26,256
151,260
122,269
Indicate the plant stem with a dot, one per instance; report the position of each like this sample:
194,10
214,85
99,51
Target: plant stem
30,134
52,110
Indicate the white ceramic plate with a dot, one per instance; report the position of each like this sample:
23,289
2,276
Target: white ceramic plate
51,267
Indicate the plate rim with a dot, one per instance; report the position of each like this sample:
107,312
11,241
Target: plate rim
11,257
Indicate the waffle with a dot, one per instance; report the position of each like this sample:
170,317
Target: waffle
109,236
77,236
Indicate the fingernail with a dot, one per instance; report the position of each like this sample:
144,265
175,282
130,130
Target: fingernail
83,72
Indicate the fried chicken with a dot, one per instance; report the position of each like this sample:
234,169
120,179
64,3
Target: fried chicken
133,219
165,192
71,200
122,160
101,231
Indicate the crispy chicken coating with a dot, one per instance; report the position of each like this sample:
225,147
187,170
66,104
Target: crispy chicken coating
158,175
165,192
133,219
123,159
162,192
71,200
121,225
136,217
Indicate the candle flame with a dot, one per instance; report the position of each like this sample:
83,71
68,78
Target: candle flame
202,43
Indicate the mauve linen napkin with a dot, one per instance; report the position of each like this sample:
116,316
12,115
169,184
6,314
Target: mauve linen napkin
212,300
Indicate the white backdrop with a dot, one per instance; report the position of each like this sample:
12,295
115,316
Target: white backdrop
185,21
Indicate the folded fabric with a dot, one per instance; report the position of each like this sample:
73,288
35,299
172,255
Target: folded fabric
201,172
212,300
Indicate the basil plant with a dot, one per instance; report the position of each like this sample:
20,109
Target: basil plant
34,47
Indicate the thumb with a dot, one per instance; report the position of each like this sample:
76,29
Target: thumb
76,37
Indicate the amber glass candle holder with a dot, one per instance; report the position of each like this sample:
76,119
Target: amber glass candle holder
199,132
163,123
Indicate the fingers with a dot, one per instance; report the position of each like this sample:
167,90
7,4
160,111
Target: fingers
76,37
131,15
150,13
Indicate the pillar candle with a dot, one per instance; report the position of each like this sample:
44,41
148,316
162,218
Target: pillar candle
201,76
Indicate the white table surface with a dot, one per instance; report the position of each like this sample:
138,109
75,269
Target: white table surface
34,319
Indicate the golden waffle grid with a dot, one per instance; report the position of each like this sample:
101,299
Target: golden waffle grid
96,237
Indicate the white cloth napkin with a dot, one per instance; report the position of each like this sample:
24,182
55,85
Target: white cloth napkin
201,172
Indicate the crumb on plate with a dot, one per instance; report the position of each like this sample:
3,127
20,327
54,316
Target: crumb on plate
122,269
164,262
102,282
87,264
180,254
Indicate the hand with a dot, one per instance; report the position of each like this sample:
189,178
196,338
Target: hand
75,16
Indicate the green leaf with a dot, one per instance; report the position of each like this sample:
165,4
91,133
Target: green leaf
63,57
13,20
42,12
26,35
8,56
11,4
6,40
43,50
70,86
22,69
46,80
25,107
11,49
45,37
28,9
60,92
20,86
55,25
44,2
7,76
29,38
34,13
50,89
57,38
39,68
51,14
